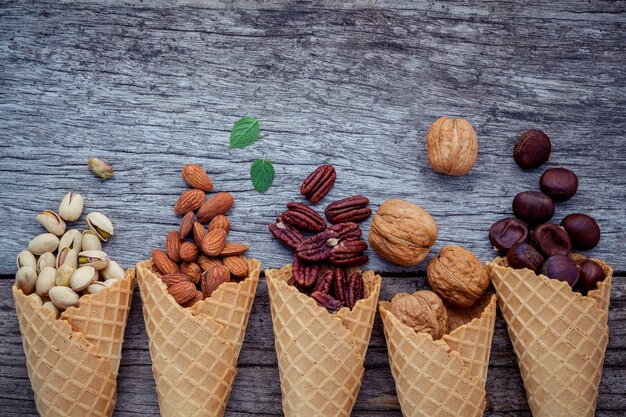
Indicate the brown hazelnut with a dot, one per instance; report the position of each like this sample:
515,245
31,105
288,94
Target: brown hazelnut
451,146
457,276
423,311
402,232
532,149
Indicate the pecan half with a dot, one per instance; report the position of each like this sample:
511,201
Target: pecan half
349,253
319,247
355,290
322,284
339,284
305,275
351,209
290,236
318,183
303,217
327,301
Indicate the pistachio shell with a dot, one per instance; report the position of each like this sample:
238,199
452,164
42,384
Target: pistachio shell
113,271
82,278
49,305
96,287
46,260
95,258
71,207
52,222
64,273
100,168
91,241
71,239
67,256
63,297
46,280
37,298
100,225
26,258
26,279
45,242
110,282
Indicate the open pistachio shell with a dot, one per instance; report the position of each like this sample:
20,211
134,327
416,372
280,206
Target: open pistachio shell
113,271
64,273
52,222
26,258
100,225
94,258
71,239
67,255
49,305
95,287
45,260
71,206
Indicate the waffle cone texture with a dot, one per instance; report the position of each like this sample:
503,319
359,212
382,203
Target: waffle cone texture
559,337
320,356
73,361
194,350
445,377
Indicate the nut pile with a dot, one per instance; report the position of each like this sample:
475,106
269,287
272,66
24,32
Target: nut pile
198,259
321,256
70,263
545,248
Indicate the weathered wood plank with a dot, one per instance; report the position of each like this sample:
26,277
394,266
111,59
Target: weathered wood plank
257,388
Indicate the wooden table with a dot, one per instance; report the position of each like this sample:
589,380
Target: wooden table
152,87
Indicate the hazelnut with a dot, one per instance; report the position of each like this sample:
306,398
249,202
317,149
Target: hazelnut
523,255
457,276
532,149
423,311
561,268
559,183
551,239
451,146
402,232
533,207
582,229
507,232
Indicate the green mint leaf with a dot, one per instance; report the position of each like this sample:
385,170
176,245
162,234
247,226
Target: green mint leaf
262,174
245,132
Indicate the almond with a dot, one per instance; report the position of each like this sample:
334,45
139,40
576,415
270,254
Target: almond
196,177
189,201
163,263
205,263
198,232
188,252
213,242
234,249
213,278
220,222
198,297
186,224
237,265
172,245
192,270
176,277
182,291
219,203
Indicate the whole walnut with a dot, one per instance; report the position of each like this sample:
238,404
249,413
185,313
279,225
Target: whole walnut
451,146
423,311
402,232
457,276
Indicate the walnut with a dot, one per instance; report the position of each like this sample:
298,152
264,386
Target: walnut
402,232
451,146
457,276
423,311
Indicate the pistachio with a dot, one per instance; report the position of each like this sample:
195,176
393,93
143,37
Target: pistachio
45,281
100,225
82,278
113,271
67,256
37,298
63,297
45,242
95,258
52,222
71,207
97,276
95,287
26,279
100,168
26,258
64,273
91,241
71,239
110,282
46,260
49,305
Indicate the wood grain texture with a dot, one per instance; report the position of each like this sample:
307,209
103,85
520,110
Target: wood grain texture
149,88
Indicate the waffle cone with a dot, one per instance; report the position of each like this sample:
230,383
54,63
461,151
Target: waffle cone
73,361
194,350
320,356
446,377
559,337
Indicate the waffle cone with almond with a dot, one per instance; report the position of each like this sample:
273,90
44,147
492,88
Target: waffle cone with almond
73,361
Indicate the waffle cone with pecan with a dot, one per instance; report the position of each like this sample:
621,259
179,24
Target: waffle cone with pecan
320,355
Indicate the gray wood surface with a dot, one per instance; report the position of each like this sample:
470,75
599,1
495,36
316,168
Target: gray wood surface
152,87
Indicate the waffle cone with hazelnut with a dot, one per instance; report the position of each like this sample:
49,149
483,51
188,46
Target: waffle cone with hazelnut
559,337
73,361
445,377
194,350
320,356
